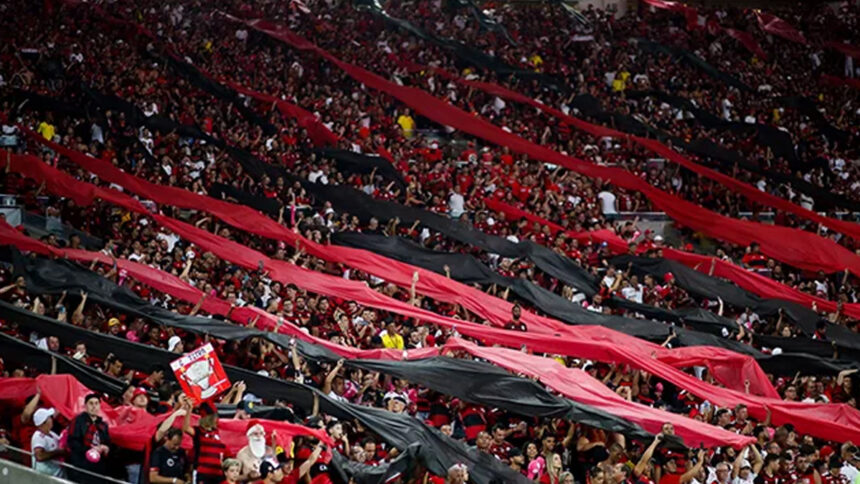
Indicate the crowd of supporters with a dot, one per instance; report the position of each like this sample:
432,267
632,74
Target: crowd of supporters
69,54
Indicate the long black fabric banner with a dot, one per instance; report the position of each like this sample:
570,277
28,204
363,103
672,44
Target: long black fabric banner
467,55
16,351
366,207
55,276
436,451
483,20
691,59
710,287
352,162
467,269
203,82
781,143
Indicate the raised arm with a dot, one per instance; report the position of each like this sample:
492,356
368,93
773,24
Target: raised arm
646,456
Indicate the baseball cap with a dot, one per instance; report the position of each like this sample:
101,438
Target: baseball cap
113,322
139,391
246,405
43,414
267,467
172,342
395,396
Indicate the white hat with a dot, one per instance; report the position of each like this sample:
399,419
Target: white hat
43,414
394,395
172,342
658,238
255,428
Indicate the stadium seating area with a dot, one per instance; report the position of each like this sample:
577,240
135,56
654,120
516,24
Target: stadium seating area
432,241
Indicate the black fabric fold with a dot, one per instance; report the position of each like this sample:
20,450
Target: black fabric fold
205,83
401,467
16,351
710,287
55,276
483,20
352,162
692,60
467,56
436,451
780,142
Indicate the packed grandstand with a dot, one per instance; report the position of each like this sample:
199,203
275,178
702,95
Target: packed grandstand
430,242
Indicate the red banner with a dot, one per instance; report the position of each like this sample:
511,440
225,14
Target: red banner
130,427
587,342
747,40
795,247
430,283
774,25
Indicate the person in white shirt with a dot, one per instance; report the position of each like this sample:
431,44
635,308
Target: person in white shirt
456,202
607,202
46,445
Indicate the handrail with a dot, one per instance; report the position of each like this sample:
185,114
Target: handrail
24,458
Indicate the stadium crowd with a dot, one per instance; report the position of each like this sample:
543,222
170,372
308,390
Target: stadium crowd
67,55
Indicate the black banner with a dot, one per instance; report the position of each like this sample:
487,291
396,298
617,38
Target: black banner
55,276
710,287
352,162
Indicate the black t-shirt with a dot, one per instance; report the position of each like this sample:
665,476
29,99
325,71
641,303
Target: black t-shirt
167,463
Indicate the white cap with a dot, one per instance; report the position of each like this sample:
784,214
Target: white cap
172,342
43,414
776,351
658,238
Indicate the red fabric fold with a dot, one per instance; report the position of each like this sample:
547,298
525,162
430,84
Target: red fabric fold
581,387
733,369
130,427
589,342
319,134
800,249
747,40
847,49
840,81
752,282
750,192
774,25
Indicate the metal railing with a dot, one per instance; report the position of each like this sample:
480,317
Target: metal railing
17,462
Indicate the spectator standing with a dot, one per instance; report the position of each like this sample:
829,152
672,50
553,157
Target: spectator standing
45,444
209,451
169,462
89,440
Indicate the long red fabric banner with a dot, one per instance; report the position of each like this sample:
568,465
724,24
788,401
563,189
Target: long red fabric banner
750,192
748,280
585,342
798,248
132,428
691,431
733,369
774,25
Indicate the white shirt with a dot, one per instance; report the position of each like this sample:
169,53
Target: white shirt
849,471
48,442
633,293
318,177
607,202
456,204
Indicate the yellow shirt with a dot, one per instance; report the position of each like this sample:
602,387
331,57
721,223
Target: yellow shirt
47,130
407,124
536,60
395,342
617,85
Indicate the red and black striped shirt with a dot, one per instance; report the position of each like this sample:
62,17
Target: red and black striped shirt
209,450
